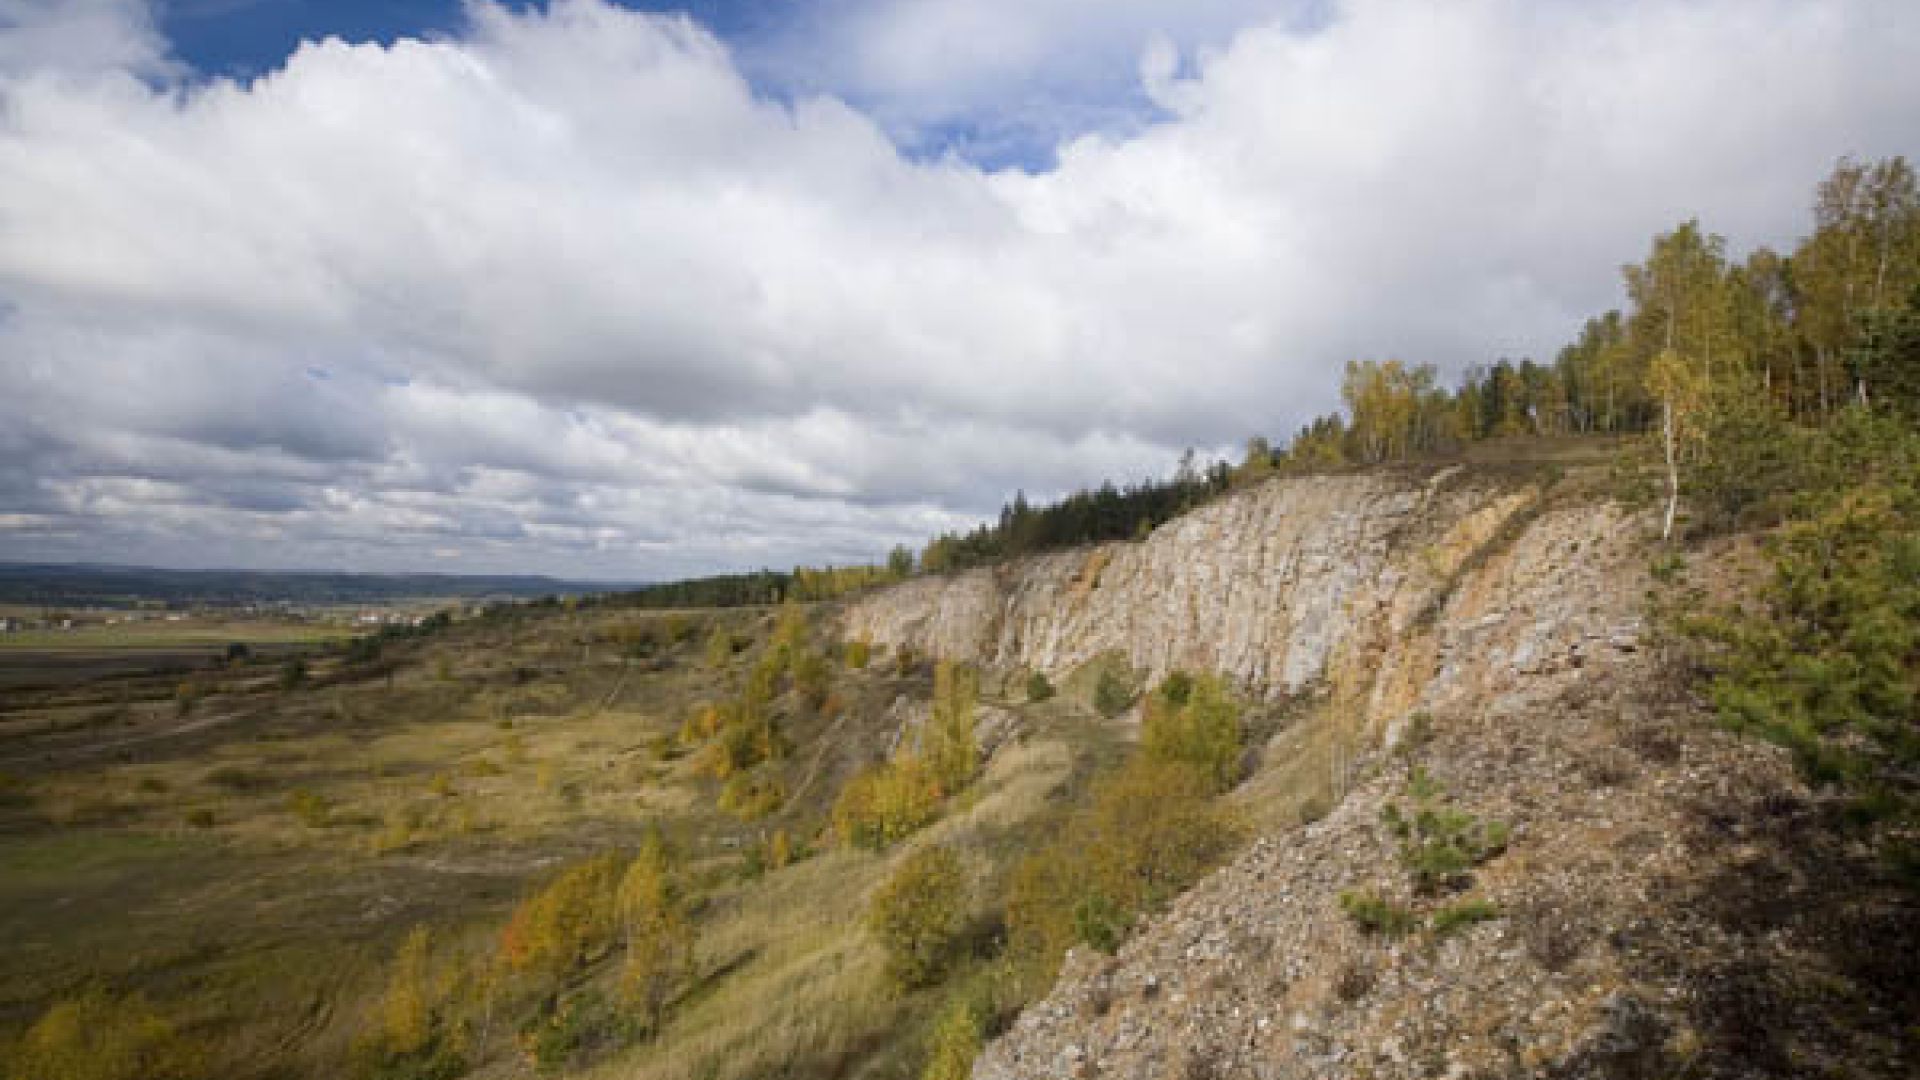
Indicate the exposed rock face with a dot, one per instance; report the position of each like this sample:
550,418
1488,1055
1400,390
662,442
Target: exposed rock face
1279,587
1639,926
1257,586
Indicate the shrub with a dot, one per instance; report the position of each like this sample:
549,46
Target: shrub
1416,735
955,1040
747,736
1551,934
780,852
951,750
771,852
1112,694
1151,830
564,925
1354,978
411,1041
1374,914
1824,664
751,796
858,653
887,803
96,1036
1464,913
201,818
657,934
1101,922
918,915
1176,688
703,722
293,674
1440,845
1038,688
812,679
564,1034
1195,722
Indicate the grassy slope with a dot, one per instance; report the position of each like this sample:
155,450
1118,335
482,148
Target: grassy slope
175,863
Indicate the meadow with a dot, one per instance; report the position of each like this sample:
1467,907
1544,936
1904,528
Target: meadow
242,847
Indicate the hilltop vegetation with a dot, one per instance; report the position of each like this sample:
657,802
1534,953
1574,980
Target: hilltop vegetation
1708,348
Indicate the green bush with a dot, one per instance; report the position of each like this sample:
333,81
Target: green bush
1440,845
1176,688
918,915
1374,914
1112,693
1151,830
1038,688
1464,913
1195,722
1824,663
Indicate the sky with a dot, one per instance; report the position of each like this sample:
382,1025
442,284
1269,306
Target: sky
588,290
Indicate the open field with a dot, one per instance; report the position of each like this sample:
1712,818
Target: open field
249,852
158,634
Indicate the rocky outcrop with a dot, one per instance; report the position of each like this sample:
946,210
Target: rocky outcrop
1666,903
1266,586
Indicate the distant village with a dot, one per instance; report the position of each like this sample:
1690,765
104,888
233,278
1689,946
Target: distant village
71,620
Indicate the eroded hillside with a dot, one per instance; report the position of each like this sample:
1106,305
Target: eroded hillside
1540,856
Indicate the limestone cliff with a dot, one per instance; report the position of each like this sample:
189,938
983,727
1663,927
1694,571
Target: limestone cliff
1669,902
1293,583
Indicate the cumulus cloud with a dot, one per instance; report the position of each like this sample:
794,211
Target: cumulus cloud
566,292
82,36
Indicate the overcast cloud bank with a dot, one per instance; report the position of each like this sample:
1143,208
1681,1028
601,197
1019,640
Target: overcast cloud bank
565,294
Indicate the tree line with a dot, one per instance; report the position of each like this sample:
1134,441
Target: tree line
1806,332
1801,334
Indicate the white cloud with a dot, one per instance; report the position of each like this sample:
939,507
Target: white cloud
565,292
81,36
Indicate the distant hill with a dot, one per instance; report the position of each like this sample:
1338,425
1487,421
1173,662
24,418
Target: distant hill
78,584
